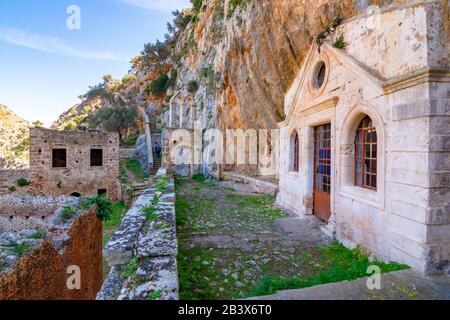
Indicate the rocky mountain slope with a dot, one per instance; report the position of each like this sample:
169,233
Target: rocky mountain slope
14,140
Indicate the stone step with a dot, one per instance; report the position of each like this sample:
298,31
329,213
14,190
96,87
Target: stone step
400,285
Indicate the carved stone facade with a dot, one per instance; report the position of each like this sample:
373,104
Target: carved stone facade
74,163
390,87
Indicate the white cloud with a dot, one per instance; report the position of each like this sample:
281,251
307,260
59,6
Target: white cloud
159,5
53,45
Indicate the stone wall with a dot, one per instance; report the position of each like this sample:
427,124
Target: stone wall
78,177
126,153
38,250
8,181
28,212
143,252
180,155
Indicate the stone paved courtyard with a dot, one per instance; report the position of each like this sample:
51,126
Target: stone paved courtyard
230,239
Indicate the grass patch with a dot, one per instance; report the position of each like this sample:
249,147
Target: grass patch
199,177
346,264
118,211
150,213
161,183
20,249
130,270
259,204
154,295
182,208
134,166
67,213
162,226
37,235
193,274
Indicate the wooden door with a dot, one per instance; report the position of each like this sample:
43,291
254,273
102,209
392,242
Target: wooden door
322,172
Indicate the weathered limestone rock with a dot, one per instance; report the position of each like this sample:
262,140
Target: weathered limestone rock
142,153
157,243
160,280
124,243
112,285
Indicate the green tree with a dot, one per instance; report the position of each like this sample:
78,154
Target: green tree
37,124
115,119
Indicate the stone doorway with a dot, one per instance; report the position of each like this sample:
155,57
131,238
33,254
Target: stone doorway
322,172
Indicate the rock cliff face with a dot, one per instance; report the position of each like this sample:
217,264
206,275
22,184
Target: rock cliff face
238,58
14,141
245,55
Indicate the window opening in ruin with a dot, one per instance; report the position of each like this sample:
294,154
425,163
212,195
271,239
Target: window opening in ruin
59,158
102,192
96,157
76,195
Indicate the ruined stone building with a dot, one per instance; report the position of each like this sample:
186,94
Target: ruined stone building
365,145
74,163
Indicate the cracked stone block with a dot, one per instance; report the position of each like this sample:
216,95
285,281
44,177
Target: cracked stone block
112,286
168,197
157,243
124,242
159,280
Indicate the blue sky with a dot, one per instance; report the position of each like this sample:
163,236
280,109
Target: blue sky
44,66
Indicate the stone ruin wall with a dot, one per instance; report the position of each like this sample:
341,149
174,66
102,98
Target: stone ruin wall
8,181
78,176
41,272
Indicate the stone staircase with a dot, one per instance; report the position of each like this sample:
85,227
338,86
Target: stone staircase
4,189
138,190
156,137
157,162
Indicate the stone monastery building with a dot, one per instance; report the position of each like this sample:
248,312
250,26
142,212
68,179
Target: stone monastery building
365,145
75,163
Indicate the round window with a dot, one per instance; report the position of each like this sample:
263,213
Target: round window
320,75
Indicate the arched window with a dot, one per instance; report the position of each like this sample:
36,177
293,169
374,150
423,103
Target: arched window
295,152
366,144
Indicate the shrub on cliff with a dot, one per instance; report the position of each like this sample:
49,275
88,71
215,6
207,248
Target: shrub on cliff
158,87
22,182
192,86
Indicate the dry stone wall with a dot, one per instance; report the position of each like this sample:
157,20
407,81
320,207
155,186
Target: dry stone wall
8,181
143,252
